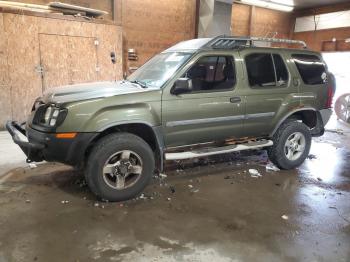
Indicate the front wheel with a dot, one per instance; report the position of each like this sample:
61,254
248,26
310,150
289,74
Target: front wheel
119,167
292,143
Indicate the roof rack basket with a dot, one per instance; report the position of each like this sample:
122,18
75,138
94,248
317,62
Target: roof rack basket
230,42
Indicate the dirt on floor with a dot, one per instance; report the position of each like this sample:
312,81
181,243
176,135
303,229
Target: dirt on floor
210,209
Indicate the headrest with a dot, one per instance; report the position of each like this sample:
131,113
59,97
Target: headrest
228,71
198,71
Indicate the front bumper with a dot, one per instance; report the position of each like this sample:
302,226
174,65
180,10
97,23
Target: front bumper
39,146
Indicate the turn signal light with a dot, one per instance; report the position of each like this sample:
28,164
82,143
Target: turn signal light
66,135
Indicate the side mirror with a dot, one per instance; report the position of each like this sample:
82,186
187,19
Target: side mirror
182,85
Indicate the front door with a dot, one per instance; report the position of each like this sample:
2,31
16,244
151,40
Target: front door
212,111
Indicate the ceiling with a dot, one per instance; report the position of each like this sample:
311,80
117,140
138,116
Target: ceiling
301,4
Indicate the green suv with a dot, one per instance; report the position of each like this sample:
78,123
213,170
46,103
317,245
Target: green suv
198,98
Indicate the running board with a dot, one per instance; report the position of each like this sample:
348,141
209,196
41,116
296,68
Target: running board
218,150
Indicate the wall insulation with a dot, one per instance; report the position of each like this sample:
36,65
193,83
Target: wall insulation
39,52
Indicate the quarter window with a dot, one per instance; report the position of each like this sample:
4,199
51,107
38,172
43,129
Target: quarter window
212,73
266,70
312,70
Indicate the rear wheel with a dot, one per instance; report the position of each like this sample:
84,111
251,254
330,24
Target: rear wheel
292,143
119,167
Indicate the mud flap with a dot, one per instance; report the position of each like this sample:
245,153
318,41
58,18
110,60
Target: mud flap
318,130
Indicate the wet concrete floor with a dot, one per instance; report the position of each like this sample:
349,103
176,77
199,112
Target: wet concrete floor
204,210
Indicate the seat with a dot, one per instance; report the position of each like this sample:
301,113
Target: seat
229,78
198,75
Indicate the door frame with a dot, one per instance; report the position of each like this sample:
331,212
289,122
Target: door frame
167,96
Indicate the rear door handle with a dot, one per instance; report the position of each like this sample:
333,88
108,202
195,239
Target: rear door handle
235,99
296,81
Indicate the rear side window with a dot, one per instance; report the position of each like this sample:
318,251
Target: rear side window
312,70
266,70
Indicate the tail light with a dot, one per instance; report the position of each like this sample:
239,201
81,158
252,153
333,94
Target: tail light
330,95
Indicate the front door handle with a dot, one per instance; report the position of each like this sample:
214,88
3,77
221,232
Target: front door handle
235,99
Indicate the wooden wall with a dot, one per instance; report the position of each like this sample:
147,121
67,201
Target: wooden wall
105,5
5,90
240,19
322,39
21,54
151,26
64,45
319,40
255,21
322,9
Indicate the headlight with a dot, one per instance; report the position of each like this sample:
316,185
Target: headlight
53,116
47,114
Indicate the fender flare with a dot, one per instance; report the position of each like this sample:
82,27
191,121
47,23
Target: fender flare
288,115
157,132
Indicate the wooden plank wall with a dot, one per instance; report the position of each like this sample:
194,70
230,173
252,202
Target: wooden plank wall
5,91
255,21
151,26
20,55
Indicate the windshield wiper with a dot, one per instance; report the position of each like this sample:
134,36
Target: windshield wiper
140,83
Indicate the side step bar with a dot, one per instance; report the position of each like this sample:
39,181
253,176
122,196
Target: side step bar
218,150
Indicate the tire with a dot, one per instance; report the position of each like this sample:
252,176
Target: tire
117,156
281,153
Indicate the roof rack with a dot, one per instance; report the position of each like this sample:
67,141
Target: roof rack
230,42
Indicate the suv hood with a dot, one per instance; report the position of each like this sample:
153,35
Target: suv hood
86,91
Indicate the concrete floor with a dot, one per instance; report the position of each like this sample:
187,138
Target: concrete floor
226,215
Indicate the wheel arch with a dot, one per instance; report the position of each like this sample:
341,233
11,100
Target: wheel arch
151,134
309,116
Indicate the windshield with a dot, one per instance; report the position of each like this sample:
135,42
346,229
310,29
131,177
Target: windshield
159,69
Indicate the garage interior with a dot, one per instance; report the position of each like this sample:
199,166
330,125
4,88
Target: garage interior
203,209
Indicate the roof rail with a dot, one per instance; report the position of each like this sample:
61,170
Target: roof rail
229,42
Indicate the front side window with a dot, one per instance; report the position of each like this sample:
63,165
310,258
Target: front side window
159,69
312,70
266,70
212,73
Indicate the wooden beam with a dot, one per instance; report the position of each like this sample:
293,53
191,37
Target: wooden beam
292,26
117,11
251,20
198,3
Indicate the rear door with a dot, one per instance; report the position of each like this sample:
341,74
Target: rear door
269,92
313,74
